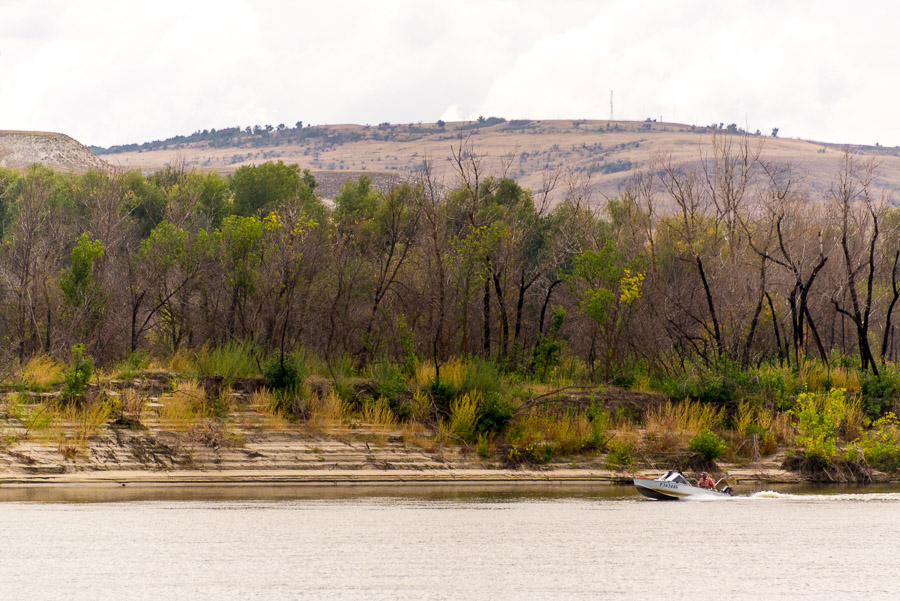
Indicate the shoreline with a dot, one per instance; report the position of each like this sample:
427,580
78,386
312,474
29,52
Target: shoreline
365,477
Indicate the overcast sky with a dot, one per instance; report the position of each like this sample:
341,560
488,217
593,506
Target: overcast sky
111,72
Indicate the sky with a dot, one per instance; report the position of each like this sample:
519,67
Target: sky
113,72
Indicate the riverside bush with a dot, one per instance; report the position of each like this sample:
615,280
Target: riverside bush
878,393
599,421
707,444
621,455
443,393
78,375
819,416
881,444
494,414
482,376
287,372
132,365
389,383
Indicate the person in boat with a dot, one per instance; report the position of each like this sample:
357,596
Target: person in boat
706,482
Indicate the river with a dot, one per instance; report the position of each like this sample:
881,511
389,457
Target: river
539,543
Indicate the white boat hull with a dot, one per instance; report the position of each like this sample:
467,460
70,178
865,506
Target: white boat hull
664,490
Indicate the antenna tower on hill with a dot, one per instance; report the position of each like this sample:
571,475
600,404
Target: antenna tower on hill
611,105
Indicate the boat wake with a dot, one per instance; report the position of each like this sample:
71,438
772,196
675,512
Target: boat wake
708,498
880,497
771,494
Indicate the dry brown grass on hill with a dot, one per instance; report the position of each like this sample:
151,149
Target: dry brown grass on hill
531,149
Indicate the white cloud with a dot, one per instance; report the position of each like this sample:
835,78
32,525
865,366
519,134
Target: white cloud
814,70
133,71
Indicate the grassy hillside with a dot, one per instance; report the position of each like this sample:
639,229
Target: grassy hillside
526,150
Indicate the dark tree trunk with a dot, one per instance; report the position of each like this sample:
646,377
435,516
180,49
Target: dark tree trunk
553,285
711,305
486,313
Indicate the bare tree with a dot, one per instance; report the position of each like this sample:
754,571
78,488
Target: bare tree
797,245
430,200
858,217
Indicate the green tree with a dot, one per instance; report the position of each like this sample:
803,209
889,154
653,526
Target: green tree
263,188
355,205
145,200
240,255
168,260
78,282
608,293
9,190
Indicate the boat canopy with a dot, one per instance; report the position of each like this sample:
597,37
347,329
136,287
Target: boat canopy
674,477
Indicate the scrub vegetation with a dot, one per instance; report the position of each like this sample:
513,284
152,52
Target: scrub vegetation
720,313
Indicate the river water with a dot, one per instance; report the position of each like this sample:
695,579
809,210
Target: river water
284,543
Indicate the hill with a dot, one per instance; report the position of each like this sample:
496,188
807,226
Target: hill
20,149
526,150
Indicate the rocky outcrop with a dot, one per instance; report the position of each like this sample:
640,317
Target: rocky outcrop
20,149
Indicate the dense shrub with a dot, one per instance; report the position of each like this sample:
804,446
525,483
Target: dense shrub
482,376
621,455
388,381
495,413
878,393
881,445
285,372
819,416
707,444
709,387
443,393
77,375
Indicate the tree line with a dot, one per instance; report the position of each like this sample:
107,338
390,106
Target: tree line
733,260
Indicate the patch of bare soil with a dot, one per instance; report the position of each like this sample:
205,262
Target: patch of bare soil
21,149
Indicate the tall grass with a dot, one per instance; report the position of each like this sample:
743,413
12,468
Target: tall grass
671,425
412,432
264,402
421,407
184,406
378,415
128,407
231,361
543,436
817,377
86,420
181,362
751,434
131,366
464,416
688,417
43,373
326,412
33,418
854,419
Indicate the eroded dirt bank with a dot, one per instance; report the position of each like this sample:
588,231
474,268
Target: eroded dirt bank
156,444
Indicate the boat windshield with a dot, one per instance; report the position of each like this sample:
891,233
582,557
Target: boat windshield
675,477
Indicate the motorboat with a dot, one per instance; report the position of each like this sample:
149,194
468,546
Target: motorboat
673,485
